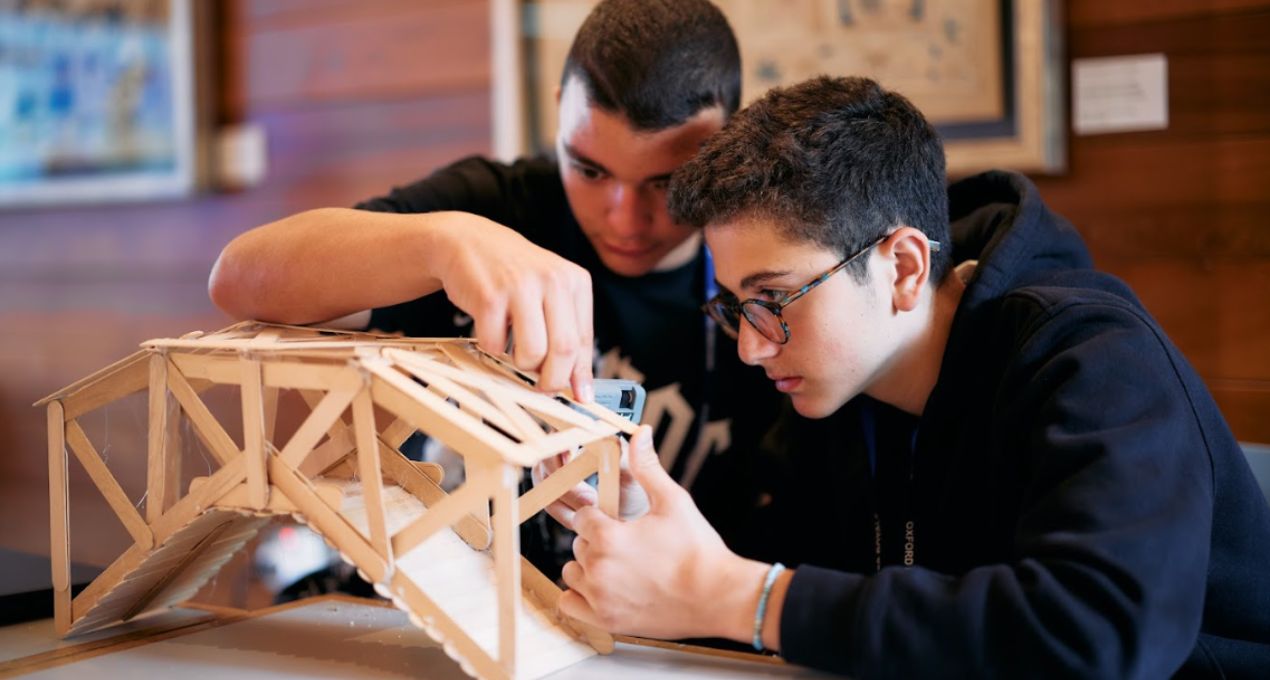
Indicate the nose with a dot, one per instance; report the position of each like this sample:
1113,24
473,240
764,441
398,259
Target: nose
752,347
628,211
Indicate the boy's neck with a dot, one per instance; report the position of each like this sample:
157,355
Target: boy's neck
918,362
682,253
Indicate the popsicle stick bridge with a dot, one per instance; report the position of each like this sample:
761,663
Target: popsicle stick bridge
443,558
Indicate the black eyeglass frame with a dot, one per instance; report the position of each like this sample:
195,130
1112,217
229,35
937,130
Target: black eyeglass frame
719,306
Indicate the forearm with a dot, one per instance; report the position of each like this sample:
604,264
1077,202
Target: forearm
322,264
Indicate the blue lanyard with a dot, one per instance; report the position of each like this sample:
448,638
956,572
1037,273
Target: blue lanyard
868,431
712,328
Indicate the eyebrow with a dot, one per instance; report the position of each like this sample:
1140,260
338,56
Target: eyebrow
582,159
753,280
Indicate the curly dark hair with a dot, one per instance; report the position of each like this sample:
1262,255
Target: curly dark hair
657,62
835,161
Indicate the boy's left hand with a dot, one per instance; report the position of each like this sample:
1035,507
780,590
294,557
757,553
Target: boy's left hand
666,574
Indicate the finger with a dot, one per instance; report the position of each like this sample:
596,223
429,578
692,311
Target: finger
562,514
574,606
589,521
581,380
539,472
565,508
547,466
647,470
562,341
558,461
489,322
530,331
580,496
580,546
574,577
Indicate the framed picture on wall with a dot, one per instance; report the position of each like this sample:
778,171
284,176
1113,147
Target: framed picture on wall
97,101
987,73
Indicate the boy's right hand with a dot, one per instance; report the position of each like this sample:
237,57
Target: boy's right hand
502,280
632,498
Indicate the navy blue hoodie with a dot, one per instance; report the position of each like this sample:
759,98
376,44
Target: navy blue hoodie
1071,501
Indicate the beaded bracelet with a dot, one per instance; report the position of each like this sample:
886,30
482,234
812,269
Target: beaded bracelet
761,612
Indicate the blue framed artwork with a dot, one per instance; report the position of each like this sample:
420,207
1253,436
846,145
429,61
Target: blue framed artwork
96,101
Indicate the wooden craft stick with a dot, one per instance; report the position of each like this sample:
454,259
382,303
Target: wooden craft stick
59,519
340,444
246,344
496,365
566,440
548,595
467,370
109,487
368,468
548,406
172,447
622,425
548,490
268,336
175,571
408,476
129,377
163,471
102,375
305,376
528,428
215,369
478,376
345,469
482,664
320,420
609,453
507,562
327,520
467,400
433,471
194,503
254,432
397,433
237,497
704,651
335,449
270,396
406,399
206,426
441,514
105,581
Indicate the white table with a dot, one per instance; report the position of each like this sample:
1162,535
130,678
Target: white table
326,637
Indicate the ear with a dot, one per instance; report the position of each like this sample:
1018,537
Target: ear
556,93
909,250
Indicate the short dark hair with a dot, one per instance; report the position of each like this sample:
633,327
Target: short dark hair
656,62
835,161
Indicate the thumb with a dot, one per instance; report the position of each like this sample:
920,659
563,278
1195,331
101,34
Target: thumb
646,467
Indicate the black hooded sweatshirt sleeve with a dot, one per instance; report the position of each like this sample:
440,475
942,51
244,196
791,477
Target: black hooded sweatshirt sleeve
1080,507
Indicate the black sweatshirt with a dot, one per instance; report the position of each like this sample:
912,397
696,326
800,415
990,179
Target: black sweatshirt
1072,501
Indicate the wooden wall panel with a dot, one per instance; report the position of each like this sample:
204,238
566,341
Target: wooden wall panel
385,50
1086,13
1179,213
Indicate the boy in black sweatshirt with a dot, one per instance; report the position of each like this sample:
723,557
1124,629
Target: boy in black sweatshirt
1044,486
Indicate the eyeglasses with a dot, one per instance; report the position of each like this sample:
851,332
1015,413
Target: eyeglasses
765,315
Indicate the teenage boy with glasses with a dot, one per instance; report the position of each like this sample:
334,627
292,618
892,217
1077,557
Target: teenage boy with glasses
1044,488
